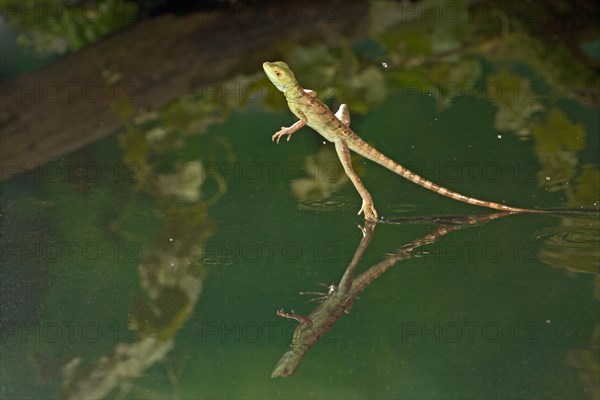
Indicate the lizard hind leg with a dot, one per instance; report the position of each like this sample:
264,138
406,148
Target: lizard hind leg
343,114
321,296
367,202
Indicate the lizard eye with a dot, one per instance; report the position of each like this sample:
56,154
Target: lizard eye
278,73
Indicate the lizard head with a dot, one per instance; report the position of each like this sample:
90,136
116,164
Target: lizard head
280,74
287,365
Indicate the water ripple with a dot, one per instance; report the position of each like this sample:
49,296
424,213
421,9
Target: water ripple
573,238
329,204
402,207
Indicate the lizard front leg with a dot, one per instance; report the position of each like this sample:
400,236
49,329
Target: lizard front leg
289,130
367,202
300,318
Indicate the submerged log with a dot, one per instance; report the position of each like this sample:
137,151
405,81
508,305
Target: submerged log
67,105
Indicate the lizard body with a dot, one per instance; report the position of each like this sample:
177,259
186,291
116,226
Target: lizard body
336,129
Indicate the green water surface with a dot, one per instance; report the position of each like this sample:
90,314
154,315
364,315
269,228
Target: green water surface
508,308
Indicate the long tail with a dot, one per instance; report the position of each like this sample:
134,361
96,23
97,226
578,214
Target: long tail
361,147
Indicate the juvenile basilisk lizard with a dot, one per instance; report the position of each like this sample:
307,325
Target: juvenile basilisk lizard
336,128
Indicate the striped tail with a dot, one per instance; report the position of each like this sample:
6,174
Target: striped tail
361,147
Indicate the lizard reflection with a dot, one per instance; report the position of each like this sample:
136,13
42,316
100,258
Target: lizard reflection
340,298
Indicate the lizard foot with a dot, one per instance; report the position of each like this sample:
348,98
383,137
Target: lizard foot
300,318
369,210
284,131
322,295
368,229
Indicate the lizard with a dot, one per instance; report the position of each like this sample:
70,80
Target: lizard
336,129
340,298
